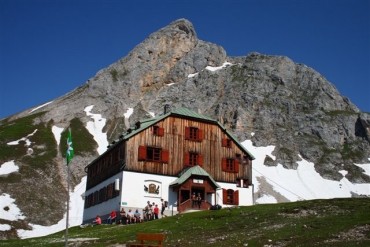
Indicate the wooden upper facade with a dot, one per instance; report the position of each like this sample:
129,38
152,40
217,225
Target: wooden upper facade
170,143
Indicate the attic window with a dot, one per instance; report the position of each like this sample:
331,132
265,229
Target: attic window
226,142
158,131
193,134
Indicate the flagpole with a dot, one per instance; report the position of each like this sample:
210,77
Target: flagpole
67,221
69,156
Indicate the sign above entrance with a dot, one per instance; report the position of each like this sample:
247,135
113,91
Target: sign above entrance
197,181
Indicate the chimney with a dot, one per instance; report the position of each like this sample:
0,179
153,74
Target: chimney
167,108
137,125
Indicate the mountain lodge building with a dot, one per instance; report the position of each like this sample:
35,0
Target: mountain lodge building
170,156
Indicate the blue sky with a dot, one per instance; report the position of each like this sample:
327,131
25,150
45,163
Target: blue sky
50,47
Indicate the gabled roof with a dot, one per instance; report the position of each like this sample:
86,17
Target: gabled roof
183,113
179,112
195,170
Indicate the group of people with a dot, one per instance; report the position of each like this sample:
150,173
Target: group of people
196,200
150,212
130,217
112,218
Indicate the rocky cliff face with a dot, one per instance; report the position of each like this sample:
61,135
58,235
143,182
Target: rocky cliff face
268,99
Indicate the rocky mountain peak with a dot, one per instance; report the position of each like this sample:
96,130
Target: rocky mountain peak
150,63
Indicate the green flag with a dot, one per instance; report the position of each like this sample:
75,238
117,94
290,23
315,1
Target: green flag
70,151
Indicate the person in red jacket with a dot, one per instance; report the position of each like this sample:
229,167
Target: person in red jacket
156,212
112,217
97,220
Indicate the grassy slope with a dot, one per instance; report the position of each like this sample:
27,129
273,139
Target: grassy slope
337,222
38,165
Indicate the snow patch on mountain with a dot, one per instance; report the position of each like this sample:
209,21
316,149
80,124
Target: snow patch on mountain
95,128
366,167
40,106
304,183
8,209
192,75
57,133
75,215
8,167
25,139
5,227
213,69
129,112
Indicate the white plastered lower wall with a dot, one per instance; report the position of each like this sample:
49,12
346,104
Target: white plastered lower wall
134,194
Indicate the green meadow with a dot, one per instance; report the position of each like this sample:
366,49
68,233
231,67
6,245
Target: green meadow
334,222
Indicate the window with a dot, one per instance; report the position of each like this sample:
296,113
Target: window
193,134
101,195
110,189
230,197
238,182
96,197
89,201
193,159
230,165
158,131
153,154
226,142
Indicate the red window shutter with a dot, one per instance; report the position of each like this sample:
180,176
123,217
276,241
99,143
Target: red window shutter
236,165
223,164
224,196
161,132
165,156
236,197
200,135
142,153
187,133
200,160
224,142
186,159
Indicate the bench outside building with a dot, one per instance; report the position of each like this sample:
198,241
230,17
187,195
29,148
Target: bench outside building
148,239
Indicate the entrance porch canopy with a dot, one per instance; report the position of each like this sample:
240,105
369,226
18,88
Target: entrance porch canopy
197,171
